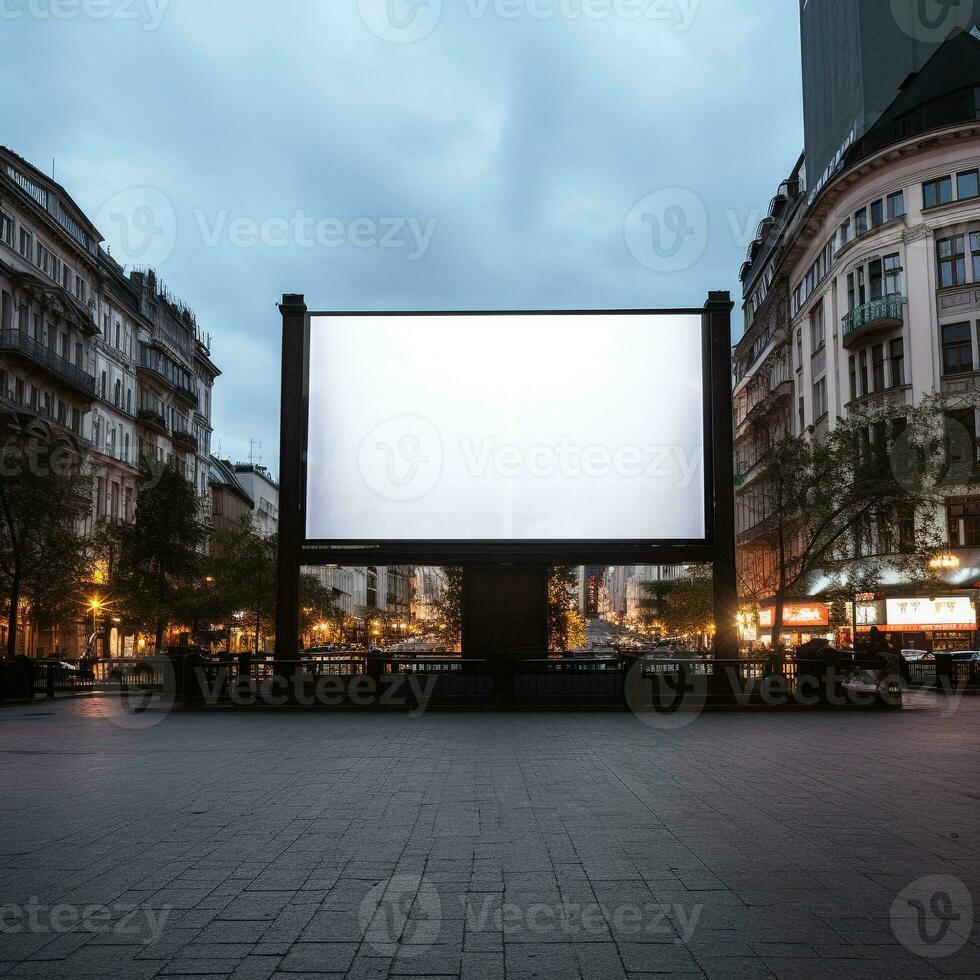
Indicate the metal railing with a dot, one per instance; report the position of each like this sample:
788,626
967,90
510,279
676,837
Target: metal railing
890,307
17,342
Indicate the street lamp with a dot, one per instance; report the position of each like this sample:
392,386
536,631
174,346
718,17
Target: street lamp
95,606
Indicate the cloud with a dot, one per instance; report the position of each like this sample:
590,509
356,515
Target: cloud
528,140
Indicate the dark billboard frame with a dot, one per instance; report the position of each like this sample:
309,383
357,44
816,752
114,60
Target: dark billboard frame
717,548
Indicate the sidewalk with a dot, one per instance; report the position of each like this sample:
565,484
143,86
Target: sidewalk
283,844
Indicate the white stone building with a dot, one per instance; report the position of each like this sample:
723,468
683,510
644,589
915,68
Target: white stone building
864,293
110,360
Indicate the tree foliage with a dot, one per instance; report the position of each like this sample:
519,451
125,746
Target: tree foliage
160,555
843,507
45,495
566,625
449,607
687,608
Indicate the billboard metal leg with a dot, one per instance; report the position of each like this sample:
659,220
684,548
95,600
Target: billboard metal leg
293,311
719,308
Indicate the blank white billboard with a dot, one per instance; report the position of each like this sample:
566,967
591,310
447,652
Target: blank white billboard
506,428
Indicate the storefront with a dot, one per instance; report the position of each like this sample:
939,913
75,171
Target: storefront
801,622
918,623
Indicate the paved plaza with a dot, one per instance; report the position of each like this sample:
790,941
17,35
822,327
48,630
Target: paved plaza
284,844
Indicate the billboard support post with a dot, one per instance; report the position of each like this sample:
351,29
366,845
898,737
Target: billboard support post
724,576
293,309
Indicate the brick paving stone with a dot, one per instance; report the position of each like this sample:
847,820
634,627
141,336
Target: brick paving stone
474,846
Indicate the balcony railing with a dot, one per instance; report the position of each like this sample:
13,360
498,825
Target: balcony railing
185,440
15,342
889,311
176,377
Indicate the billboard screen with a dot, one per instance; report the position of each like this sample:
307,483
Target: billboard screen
506,428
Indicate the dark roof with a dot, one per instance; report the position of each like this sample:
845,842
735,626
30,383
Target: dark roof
50,183
940,94
222,474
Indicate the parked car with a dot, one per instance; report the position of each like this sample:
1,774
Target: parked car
913,656
966,656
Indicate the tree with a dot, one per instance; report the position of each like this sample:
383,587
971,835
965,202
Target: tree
449,607
239,586
850,504
317,605
688,608
45,493
243,578
566,625
160,556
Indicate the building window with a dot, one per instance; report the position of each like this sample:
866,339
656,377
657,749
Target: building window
963,514
856,292
957,349
6,230
861,222
818,329
820,399
845,233
952,261
877,214
863,373
968,185
896,205
897,351
892,265
937,192
975,249
878,366
25,243
799,348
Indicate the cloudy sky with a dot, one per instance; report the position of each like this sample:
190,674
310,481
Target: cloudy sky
406,154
